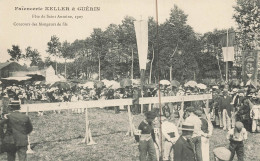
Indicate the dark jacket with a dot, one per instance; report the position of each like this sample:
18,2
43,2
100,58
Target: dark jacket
225,103
18,126
183,151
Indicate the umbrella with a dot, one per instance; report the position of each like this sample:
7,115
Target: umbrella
235,82
106,82
89,85
61,85
116,85
175,83
165,82
190,84
99,84
201,86
125,82
136,81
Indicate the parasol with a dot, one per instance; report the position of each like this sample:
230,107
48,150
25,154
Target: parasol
201,86
61,85
190,84
175,83
89,85
99,84
165,82
125,82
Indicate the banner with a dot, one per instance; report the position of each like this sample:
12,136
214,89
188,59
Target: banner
231,39
228,53
141,30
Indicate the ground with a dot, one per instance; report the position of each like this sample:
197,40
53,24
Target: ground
57,137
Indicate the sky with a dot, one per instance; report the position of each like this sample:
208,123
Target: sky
203,16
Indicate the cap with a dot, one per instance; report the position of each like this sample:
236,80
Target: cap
198,113
239,125
150,115
190,109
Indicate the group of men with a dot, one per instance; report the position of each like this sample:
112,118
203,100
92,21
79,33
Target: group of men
229,106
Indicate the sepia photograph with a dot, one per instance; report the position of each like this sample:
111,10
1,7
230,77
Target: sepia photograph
121,80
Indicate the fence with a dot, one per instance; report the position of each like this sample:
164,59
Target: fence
115,102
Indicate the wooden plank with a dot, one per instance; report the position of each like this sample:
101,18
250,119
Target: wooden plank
106,103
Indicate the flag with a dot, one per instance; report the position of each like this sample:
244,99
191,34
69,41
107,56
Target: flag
141,30
228,53
231,39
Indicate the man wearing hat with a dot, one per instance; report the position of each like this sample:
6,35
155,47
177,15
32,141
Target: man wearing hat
18,127
236,136
235,102
227,108
207,129
196,137
184,147
146,138
170,135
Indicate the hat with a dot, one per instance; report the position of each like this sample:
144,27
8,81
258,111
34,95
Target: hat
239,125
190,109
235,90
14,105
222,153
215,87
187,127
150,115
198,113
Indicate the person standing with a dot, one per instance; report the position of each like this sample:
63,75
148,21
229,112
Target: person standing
18,128
207,129
196,137
146,140
235,102
184,147
236,136
225,104
170,136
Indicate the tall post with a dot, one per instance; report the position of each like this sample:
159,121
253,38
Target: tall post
132,70
227,61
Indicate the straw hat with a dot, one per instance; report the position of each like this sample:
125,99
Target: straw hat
187,127
222,153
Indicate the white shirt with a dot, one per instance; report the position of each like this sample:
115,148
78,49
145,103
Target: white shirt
239,136
196,122
169,127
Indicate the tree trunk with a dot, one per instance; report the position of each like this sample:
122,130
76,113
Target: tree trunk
99,74
65,68
56,72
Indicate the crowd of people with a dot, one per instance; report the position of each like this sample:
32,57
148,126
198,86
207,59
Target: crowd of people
232,108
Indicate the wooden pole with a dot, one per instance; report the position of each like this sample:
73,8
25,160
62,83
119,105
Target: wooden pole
181,113
29,150
227,61
130,133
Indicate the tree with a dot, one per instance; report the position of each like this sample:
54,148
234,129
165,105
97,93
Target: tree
247,17
15,53
67,53
33,56
54,47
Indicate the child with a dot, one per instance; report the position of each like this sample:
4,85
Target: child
236,137
146,140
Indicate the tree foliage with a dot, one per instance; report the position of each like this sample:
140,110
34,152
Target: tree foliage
247,17
33,55
15,53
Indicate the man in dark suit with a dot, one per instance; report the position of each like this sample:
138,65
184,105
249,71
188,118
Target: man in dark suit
18,128
184,148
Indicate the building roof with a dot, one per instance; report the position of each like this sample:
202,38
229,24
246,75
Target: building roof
2,65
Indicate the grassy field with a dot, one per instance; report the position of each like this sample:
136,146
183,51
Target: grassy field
57,137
